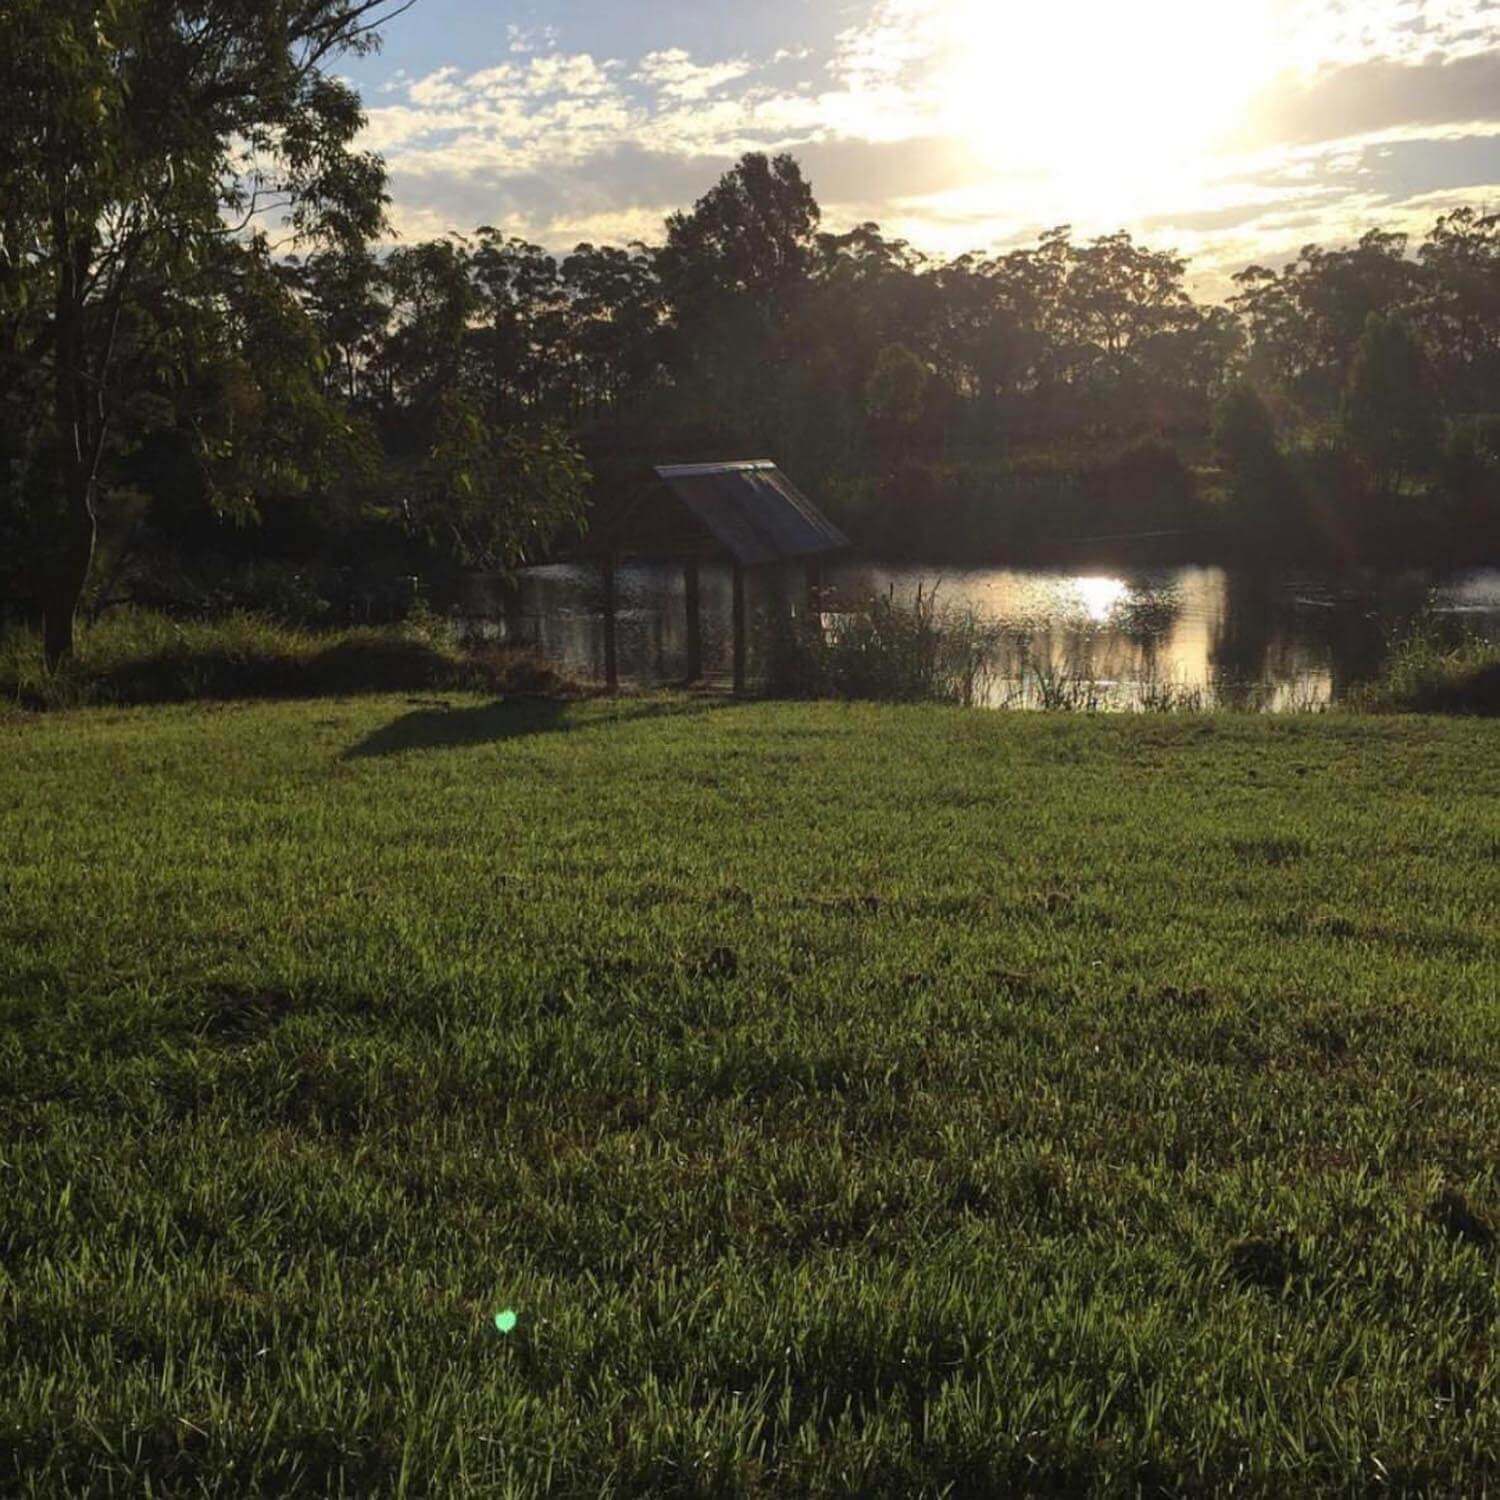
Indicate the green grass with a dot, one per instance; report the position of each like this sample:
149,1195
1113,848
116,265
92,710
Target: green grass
846,1099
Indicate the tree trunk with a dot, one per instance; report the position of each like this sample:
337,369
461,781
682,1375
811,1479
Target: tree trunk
79,413
62,590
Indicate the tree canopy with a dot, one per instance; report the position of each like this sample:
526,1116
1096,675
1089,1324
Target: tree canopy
200,319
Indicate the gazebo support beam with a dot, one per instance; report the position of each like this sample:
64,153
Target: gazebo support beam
510,611
739,631
694,597
611,653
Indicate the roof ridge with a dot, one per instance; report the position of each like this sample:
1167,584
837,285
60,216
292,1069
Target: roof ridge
731,466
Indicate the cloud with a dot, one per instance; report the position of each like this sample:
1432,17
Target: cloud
1382,109
436,90
676,76
530,38
1380,95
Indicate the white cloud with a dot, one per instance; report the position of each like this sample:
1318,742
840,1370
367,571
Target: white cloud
578,76
676,76
570,144
530,38
436,90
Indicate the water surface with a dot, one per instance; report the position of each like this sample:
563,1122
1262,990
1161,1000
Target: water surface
1269,639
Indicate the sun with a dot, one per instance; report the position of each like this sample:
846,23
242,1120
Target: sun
1108,103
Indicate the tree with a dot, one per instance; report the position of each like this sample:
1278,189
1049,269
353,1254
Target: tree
493,498
1244,433
345,293
472,463
1390,416
1303,322
1459,319
119,192
895,394
1270,506
751,235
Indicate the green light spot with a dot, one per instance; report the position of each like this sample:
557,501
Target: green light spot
505,1321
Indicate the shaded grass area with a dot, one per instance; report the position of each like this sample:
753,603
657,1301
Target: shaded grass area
142,657
847,1100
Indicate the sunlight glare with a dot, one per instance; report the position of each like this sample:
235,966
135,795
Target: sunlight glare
1110,103
1099,596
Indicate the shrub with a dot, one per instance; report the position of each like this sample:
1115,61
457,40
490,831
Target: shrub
135,656
1425,675
1147,485
1390,412
886,649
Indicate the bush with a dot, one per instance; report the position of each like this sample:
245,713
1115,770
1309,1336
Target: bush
1147,486
1469,473
135,656
1425,675
886,649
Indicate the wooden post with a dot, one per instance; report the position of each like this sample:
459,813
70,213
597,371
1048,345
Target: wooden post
694,620
814,589
510,611
611,660
739,631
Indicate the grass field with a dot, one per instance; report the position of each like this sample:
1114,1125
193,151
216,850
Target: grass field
845,1099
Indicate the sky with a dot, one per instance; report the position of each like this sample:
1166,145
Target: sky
1234,131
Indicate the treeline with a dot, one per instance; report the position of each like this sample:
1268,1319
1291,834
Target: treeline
200,419
985,407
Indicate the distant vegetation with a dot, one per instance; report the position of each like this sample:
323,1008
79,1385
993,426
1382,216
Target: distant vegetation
200,420
136,656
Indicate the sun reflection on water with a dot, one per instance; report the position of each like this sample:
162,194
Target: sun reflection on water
1100,597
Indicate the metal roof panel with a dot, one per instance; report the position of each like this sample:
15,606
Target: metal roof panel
753,511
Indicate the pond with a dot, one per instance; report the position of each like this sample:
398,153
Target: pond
1123,639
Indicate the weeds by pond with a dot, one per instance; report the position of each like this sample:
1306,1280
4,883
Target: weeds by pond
1428,674
886,648
845,1099
138,656
883,649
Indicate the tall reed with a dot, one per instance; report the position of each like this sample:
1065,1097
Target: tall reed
885,648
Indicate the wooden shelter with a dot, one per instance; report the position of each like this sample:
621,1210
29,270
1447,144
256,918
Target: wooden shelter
747,514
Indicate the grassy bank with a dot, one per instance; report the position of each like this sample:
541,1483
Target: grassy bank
1428,675
845,1099
134,656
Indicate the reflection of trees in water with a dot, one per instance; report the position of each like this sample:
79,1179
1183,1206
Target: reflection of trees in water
1240,651
1147,617
1271,630
1149,612
1075,645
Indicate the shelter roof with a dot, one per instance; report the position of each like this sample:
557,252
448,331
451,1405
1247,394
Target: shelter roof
753,511
750,511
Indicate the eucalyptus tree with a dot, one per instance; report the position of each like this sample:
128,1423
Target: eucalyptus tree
1303,323
1459,318
751,236
1390,412
615,320
141,137
474,465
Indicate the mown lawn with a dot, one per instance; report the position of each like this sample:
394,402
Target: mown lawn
845,1099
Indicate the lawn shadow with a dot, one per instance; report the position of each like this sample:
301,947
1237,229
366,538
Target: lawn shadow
444,728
